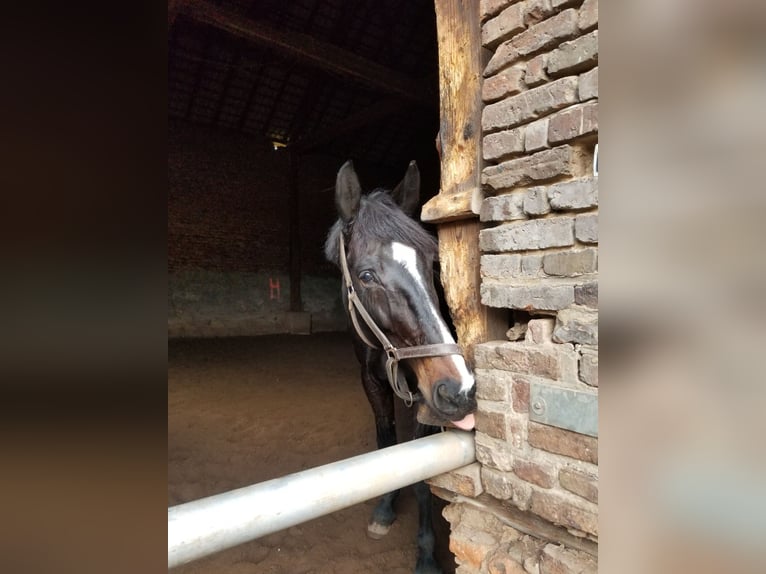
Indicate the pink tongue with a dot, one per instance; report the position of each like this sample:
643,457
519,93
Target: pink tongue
466,423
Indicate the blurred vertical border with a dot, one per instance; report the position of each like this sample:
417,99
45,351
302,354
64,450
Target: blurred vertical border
83,346
682,151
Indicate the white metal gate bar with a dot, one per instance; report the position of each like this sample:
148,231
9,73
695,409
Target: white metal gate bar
212,524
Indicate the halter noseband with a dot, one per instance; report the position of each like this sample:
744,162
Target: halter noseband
394,354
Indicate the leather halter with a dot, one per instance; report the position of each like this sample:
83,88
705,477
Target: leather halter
394,354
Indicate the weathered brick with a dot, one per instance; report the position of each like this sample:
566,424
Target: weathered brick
516,332
531,169
578,194
575,56
564,442
535,71
501,562
570,263
493,384
547,33
507,207
493,452
586,228
454,513
506,83
532,234
531,265
503,26
540,331
517,427
536,135
587,89
536,201
504,266
488,8
580,482
573,122
470,546
520,394
576,325
531,104
465,480
556,362
562,510
589,367
560,560
528,551
469,517
587,294
539,473
535,11
497,483
506,486
492,423
529,298
505,55
500,145
588,17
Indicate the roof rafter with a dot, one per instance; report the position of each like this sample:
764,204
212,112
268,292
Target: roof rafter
311,51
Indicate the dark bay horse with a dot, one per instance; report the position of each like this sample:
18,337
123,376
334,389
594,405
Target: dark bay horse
400,339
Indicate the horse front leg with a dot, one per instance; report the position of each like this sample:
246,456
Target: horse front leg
381,399
426,563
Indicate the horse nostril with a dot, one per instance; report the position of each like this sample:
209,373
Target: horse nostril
449,400
444,393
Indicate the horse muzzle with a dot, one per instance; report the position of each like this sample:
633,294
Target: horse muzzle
453,403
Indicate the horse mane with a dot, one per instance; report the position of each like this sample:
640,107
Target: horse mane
380,219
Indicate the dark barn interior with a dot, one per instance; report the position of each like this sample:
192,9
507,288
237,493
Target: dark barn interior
266,100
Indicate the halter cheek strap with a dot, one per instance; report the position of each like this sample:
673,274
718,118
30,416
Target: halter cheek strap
355,307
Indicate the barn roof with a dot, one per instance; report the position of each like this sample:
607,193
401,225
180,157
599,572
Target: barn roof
354,78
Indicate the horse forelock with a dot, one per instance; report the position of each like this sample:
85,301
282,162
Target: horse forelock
379,219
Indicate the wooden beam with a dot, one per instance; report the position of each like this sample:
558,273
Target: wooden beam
446,207
459,37
296,301
310,51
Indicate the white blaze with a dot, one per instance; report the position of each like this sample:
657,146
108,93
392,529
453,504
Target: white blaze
407,257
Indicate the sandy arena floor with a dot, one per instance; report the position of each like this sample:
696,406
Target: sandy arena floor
245,410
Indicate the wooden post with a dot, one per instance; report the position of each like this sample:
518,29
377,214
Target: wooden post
456,207
296,304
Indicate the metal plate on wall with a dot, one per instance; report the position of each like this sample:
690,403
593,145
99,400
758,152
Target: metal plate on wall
564,408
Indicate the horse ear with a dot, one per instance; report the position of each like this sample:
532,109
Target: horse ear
407,193
348,191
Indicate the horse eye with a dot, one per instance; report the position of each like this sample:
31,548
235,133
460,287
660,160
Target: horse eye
366,277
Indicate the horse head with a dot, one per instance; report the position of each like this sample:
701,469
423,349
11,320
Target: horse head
389,268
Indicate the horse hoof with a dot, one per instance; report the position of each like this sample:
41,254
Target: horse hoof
376,531
427,566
